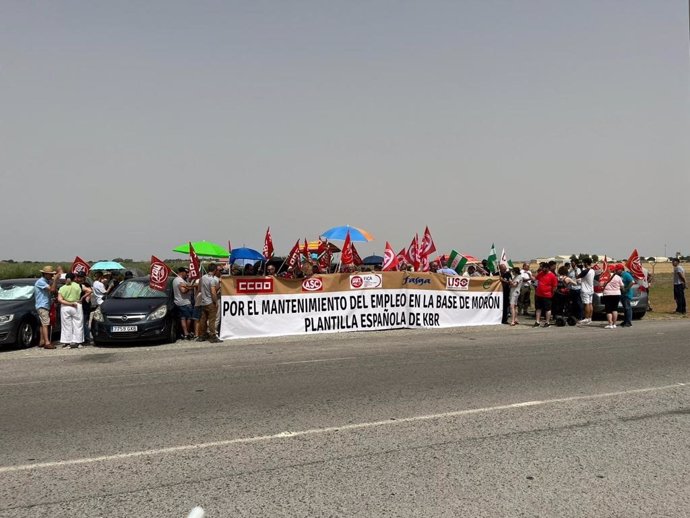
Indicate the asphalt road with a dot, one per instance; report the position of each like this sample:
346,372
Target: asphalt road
492,421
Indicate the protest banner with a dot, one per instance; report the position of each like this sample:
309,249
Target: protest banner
366,301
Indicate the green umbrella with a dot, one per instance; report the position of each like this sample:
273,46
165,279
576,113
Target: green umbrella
204,249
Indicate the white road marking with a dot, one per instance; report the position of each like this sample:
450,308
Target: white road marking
330,429
319,361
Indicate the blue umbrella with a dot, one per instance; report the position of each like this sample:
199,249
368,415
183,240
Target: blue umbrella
107,265
356,234
248,254
373,259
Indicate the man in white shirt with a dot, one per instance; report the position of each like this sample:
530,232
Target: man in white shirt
525,289
99,288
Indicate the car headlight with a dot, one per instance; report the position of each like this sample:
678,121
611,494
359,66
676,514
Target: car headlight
98,315
4,319
158,313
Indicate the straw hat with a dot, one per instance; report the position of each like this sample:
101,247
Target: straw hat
48,269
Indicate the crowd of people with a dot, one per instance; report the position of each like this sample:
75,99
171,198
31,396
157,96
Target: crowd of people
564,292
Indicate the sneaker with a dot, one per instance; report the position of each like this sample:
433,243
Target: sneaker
613,326
546,324
65,346
536,324
609,327
73,346
200,339
215,340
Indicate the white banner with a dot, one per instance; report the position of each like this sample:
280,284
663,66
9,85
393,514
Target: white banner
264,314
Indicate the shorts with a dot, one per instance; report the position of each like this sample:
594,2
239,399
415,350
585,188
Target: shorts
542,303
514,297
44,316
611,302
186,311
586,297
196,313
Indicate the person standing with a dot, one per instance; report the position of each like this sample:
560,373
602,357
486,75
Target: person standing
85,301
679,286
626,294
43,288
100,289
575,291
611,296
526,289
71,314
182,294
515,292
209,305
506,279
547,282
586,279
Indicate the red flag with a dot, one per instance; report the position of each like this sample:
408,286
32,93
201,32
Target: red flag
424,263
413,253
268,245
634,265
346,253
428,247
293,256
402,257
194,265
159,273
356,259
324,253
605,272
390,260
305,251
80,266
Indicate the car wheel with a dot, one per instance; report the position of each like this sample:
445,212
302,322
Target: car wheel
638,316
98,343
172,332
27,333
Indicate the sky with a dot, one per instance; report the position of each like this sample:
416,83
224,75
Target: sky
545,127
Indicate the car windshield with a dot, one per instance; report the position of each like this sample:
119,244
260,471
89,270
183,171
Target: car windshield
9,291
137,290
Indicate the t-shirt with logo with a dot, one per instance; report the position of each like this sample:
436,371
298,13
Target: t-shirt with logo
181,299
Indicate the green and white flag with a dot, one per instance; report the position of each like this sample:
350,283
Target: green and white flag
492,259
456,261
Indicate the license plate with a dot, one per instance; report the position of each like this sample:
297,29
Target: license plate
123,329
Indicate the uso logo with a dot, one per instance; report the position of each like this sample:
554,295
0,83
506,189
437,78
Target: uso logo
457,283
255,285
312,284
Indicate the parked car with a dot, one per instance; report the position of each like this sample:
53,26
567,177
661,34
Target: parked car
640,297
134,312
19,323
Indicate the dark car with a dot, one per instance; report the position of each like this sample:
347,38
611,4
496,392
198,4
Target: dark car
19,323
134,312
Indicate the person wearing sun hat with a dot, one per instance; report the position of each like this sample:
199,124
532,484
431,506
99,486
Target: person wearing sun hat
43,288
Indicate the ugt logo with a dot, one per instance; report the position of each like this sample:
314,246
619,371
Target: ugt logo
159,273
